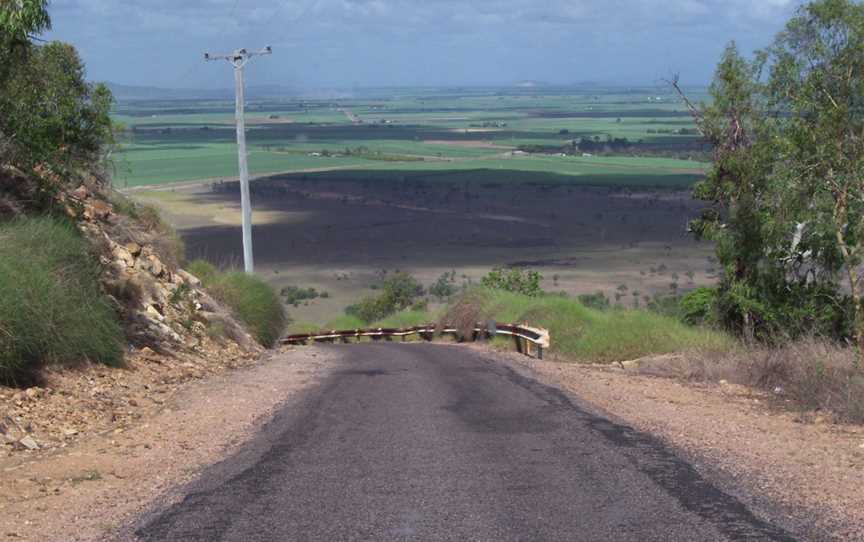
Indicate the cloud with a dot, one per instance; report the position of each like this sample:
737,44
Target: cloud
408,40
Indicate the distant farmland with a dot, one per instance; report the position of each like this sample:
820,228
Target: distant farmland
434,132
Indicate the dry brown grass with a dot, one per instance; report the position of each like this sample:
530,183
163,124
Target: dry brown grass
811,375
464,313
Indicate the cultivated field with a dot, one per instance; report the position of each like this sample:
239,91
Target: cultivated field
184,141
434,183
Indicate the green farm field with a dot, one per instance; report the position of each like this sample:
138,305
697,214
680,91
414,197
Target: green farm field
168,142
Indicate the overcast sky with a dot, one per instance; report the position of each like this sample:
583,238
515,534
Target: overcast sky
345,43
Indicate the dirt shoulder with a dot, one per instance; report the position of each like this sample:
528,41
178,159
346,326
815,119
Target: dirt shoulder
87,489
806,469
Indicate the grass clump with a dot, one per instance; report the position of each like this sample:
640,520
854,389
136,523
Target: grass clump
583,333
251,300
52,311
406,318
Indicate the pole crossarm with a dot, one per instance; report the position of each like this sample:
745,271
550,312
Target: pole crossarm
240,57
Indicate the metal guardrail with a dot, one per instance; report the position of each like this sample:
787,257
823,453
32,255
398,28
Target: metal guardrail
526,337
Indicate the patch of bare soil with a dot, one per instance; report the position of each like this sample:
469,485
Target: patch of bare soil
111,440
812,469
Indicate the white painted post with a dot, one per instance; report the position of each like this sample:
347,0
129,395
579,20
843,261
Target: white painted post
239,59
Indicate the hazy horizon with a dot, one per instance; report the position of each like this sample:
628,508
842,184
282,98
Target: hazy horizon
404,43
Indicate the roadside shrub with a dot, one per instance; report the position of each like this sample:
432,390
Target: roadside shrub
597,301
398,292
519,281
52,311
699,307
370,309
204,270
251,300
444,287
294,295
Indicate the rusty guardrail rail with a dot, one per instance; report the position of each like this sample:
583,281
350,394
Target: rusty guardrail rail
526,337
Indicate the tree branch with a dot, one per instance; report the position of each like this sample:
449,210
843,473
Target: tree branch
694,111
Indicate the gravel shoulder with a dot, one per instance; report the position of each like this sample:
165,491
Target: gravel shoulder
786,462
86,490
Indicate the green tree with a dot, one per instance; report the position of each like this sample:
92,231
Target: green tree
52,114
739,128
21,19
817,76
54,124
786,182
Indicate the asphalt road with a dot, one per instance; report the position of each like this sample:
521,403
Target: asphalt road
424,442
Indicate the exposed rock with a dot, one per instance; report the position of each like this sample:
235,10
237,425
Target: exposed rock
144,292
123,257
96,210
147,352
80,193
29,443
155,266
133,248
34,393
187,278
152,312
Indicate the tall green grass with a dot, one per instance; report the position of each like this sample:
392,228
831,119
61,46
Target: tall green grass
52,311
587,334
251,300
407,318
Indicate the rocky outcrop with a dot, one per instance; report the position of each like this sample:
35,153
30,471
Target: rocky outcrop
176,333
163,306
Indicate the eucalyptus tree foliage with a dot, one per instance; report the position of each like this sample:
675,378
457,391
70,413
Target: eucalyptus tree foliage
52,120
57,118
787,182
21,19
817,78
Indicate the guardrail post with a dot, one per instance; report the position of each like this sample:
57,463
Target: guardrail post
491,329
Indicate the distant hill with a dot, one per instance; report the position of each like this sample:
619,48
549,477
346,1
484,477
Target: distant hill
531,84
